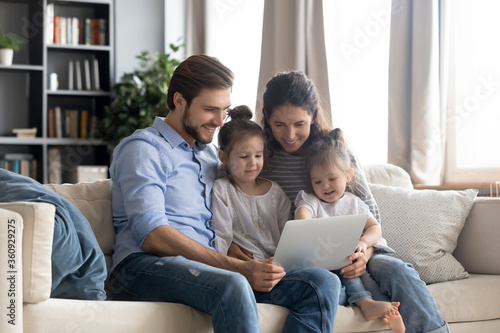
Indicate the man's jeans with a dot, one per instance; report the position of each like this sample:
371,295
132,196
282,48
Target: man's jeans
397,281
311,294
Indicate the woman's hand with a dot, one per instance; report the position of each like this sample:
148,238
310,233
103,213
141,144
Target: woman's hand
238,252
358,264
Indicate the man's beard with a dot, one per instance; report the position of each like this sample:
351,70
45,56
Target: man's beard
192,129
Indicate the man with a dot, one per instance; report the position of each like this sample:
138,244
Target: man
162,183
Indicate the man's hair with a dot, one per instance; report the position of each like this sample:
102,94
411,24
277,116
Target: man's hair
196,73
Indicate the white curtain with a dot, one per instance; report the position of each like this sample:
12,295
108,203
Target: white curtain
293,39
418,85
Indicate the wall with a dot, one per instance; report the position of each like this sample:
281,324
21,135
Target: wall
139,25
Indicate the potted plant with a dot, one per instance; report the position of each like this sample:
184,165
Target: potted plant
139,97
9,42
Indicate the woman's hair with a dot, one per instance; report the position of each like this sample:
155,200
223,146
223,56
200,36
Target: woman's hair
196,73
296,89
239,127
329,150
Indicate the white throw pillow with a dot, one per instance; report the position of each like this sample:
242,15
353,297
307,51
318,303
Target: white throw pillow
423,226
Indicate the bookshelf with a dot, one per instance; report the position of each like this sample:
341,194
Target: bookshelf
26,97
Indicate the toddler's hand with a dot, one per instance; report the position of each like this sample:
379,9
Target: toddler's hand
361,248
236,251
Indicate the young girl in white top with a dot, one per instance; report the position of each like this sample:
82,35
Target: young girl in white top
329,169
247,210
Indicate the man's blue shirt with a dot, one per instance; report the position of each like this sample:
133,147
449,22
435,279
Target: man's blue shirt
159,180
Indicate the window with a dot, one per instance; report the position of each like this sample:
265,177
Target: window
357,45
473,140
234,36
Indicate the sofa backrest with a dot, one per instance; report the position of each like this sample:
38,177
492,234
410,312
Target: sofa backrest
387,174
477,246
94,201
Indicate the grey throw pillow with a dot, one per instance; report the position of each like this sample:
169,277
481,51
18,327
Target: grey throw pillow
423,226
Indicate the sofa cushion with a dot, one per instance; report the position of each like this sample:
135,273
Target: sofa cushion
78,265
423,226
93,199
477,298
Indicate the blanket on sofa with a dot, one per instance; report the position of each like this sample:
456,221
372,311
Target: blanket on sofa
78,264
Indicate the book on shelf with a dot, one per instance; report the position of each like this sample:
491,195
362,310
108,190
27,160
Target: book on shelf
63,31
17,156
78,71
102,31
75,31
25,132
88,31
98,31
34,169
94,127
81,31
88,84
94,38
70,75
90,79
73,130
21,163
49,24
57,30
54,166
24,168
58,121
97,78
84,120
51,123
66,125
72,123
69,34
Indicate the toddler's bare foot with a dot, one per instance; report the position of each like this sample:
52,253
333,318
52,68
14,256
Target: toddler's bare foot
375,309
394,321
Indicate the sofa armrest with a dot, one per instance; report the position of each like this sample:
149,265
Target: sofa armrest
11,272
478,247
37,236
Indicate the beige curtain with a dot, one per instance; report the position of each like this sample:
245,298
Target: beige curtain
418,85
293,39
195,27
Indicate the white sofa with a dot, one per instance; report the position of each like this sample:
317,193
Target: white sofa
468,305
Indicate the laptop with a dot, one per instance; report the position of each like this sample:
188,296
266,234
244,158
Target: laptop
320,242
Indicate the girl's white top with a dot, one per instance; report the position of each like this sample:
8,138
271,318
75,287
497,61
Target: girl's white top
254,222
349,204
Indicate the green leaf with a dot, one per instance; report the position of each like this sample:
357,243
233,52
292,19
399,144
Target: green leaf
140,96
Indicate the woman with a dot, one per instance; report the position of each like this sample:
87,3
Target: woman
292,119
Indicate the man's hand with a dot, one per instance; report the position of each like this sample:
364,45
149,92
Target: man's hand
238,252
262,275
358,264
